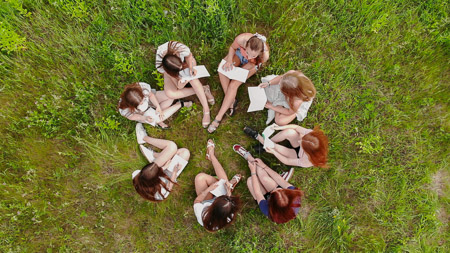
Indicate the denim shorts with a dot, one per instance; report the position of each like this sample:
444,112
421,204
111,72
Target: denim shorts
241,57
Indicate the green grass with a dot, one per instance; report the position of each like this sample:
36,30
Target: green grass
381,70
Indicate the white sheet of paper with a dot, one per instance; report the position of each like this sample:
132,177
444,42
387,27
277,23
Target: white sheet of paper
220,190
258,99
268,143
154,115
177,160
236,73
201,72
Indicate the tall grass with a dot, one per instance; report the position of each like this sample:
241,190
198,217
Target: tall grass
381,70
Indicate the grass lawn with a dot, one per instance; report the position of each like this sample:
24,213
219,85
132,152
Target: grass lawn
381,70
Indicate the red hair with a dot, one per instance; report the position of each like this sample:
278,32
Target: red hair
315,145
131,97
296,85
282,204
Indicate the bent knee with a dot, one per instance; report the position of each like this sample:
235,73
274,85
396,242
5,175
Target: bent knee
249,182
200,177
184,153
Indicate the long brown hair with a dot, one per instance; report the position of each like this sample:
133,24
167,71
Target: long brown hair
221,213
295,85
315,145
256,44
148,182
171,62
282,203
131,97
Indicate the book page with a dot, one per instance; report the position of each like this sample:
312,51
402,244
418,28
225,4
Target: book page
201,72
236,73
258,99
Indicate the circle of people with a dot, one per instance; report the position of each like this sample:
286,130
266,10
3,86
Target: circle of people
289,97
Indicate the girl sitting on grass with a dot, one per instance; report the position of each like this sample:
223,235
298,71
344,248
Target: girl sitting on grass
138,103
277,199
309,146
248,51
289,96
171,58
155,181
215,207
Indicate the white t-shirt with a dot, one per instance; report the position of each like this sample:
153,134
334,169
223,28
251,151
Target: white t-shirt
146,89
199,207
183,50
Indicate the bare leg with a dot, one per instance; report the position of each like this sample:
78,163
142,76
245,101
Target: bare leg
202,182
198,88
168,149
171,90
220,172
163,100
231,92
283,119
288,134
267,181
250,187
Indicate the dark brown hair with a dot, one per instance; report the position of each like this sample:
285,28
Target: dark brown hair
315,145
131,97
171,62
256,44
148,182
282,204
221,213
295,85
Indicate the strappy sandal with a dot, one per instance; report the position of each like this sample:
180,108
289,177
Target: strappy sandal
208,93
209,143
236,178
205,124
212,128
233,107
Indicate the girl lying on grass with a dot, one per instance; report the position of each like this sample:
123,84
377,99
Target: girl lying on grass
155,181
142,104
289,96
248,51
171,58
277,199
309,146
215,207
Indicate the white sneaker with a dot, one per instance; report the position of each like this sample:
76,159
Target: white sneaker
148,153
140,133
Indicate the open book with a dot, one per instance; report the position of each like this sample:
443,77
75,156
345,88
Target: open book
258,99
201,72
221,189
268,143
175,161
236,73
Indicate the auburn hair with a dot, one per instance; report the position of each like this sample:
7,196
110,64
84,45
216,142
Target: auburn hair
296,85
148,182
171,62
282,204
221,213
256,44
315,145
131,97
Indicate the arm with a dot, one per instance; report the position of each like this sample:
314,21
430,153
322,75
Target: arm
140,118
203,195
173,178
191,62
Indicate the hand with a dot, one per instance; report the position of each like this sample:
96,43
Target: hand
193,72
252,166
259,162
270,150
263,85
160,112
148,119
228,66
213,186
268,105
175,172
